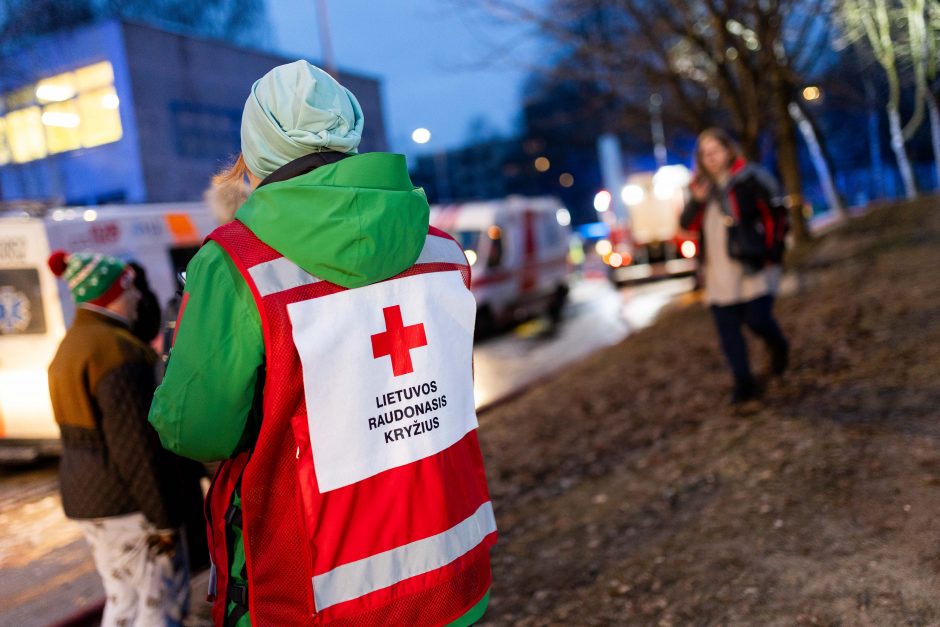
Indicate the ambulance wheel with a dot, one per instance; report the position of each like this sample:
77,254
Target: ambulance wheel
485,323
557,306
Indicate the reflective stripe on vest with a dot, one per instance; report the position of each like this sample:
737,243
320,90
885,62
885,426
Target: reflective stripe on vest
282,274
278,275
356,579
441,250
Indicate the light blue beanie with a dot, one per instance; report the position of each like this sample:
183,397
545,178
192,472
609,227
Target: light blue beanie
294,110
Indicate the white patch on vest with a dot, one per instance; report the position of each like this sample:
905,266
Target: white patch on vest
363,419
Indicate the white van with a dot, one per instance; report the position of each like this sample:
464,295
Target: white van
36,307
518,252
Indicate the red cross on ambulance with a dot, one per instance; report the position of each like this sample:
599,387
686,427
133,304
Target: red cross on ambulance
398,340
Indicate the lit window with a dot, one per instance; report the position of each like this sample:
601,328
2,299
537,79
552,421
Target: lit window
94,76
26,136
101,121
79,109
61,120
56,89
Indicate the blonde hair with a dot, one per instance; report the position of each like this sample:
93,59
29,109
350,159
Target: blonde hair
721,136
229,189
235,173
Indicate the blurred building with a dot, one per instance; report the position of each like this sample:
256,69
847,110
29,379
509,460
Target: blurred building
496,168
123,112
479,171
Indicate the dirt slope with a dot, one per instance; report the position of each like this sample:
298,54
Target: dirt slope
628,492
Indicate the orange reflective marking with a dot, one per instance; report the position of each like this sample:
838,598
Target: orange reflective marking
181,227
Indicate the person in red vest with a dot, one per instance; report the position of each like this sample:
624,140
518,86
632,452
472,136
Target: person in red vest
323,351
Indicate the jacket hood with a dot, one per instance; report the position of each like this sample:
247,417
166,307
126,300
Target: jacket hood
354,222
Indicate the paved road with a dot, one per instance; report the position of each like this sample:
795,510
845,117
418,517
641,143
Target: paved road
46,571
597,315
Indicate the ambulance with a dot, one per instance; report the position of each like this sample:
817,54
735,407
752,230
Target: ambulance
648,244
518,253
36,308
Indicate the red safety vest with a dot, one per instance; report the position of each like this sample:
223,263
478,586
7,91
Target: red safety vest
364,499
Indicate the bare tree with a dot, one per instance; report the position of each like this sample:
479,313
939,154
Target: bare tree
738,63
923,47
811,137
871,21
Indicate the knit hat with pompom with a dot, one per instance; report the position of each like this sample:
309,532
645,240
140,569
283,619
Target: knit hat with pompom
92,277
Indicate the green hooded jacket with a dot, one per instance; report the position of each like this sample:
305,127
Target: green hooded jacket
353,222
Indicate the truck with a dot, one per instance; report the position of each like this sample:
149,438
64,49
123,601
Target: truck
517,248
36,308
647,243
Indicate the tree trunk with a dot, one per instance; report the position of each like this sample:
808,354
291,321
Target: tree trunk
788,162
900,153
749,146
820,162
788,158
934,112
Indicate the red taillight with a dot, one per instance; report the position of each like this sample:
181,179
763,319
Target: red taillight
687,249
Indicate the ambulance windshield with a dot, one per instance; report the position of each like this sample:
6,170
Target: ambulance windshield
468,240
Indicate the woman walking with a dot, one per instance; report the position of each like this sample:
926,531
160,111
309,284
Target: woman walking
741,243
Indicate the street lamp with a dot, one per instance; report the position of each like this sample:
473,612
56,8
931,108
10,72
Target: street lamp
602,201
421,135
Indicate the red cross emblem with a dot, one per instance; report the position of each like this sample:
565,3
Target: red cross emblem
398,341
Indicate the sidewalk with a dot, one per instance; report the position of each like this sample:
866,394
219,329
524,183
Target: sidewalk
200,609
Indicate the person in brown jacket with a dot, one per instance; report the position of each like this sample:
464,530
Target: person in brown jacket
116,480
